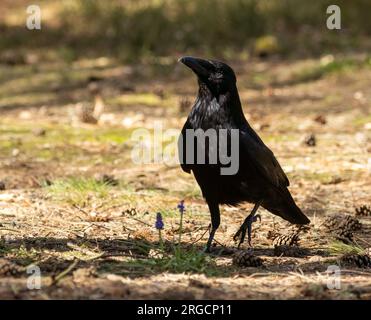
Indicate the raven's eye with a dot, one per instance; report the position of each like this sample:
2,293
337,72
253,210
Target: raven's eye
216,77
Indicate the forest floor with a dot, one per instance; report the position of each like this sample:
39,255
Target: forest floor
76,206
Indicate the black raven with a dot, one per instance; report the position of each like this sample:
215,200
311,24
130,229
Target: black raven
259,178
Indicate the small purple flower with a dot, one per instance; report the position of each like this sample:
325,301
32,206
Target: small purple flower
159,223
181,207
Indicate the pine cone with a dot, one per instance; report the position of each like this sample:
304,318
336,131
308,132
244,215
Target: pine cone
320,119
364,211
286,239
351,223
310,140
359,260
343,235
98,217
130,212
8,268
246,259
272,234
340,222
84,113
289,251
331,223
106,179
303,228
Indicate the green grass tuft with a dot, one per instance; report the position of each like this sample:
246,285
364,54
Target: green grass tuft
179,261
78,191
338,247
324,69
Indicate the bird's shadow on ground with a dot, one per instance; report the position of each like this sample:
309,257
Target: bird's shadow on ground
115,256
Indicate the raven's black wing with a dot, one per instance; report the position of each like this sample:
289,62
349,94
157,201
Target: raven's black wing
253,150
182,148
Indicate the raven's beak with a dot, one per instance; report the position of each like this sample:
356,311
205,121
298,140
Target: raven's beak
197,65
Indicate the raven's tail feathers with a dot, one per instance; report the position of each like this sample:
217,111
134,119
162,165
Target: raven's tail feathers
286,208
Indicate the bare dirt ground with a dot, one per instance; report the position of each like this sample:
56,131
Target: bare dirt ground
94,237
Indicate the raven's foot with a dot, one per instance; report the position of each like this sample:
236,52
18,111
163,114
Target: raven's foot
210,240
207,249
210,250
246,226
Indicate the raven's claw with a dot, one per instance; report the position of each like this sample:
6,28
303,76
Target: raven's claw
246,226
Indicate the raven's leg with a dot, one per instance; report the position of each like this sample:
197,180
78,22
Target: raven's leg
247,226
215,222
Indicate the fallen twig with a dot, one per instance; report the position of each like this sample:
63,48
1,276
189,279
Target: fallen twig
7,229
138,220
197,240
64,273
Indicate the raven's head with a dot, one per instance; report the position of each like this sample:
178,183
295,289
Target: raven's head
217,76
